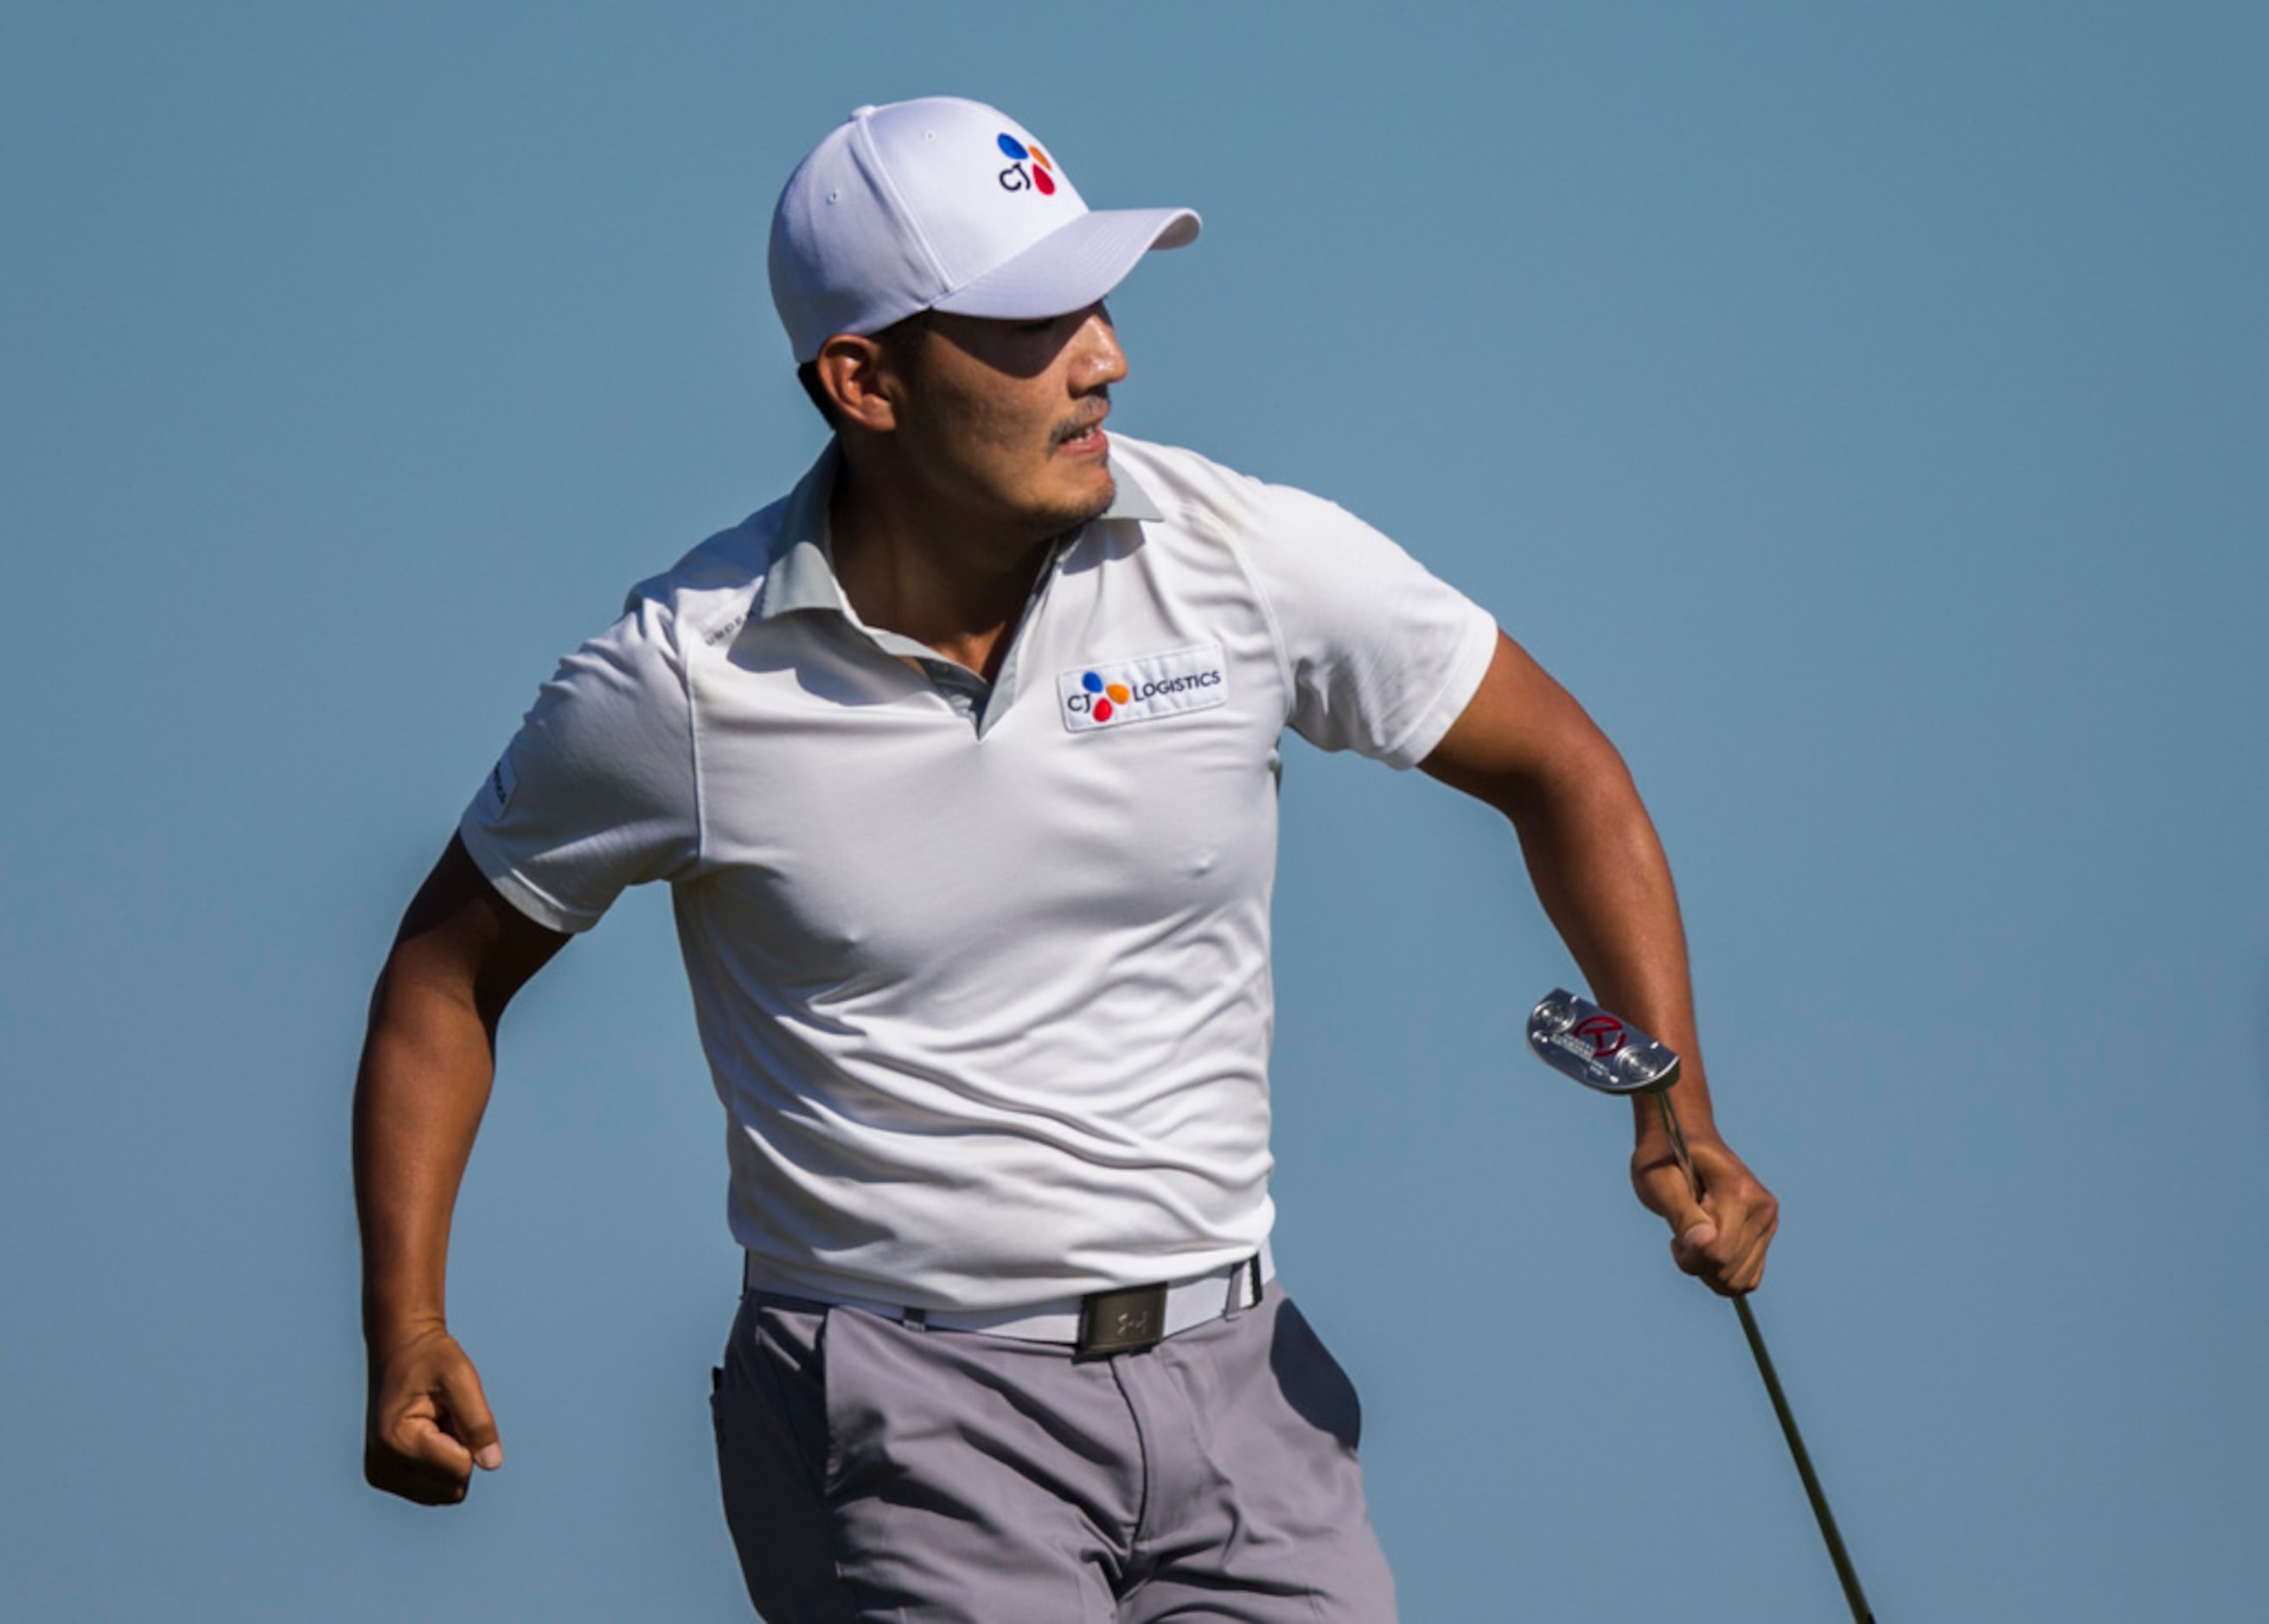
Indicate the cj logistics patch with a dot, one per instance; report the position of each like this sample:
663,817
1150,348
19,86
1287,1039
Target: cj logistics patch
1144,689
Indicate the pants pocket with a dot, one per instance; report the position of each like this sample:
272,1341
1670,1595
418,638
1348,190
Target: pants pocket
1312,1380
768,1400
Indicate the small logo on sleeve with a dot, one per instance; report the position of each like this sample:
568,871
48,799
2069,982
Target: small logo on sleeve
502,781
1148,689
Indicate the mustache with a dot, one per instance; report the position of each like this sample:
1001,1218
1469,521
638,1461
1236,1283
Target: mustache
1085,420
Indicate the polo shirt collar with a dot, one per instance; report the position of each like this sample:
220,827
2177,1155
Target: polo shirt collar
1131,501
802,573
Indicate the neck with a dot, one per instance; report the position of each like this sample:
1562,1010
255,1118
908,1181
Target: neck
909,562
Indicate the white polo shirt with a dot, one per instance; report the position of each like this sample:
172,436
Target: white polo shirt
981,972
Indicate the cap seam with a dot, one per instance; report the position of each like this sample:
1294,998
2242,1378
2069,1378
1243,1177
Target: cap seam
912,222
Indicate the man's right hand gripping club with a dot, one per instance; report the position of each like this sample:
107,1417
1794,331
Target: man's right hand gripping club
427,1066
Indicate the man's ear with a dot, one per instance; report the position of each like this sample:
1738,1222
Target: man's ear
857,374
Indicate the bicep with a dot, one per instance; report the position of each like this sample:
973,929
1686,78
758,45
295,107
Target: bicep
1521,734
460,936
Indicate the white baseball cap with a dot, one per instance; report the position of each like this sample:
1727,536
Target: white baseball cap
944,204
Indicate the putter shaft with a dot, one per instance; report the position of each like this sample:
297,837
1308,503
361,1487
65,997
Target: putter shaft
1845,1574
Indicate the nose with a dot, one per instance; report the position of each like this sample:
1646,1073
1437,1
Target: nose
1100,362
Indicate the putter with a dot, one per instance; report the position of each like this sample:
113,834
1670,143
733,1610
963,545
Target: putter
1604,1052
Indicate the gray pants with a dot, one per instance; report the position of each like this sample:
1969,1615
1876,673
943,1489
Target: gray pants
876,1471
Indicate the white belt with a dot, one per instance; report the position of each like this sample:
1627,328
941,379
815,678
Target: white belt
1188,1303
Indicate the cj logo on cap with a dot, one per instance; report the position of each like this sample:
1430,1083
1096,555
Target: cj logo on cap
1016,178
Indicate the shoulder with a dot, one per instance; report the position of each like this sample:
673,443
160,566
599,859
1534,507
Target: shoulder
707,596
644,658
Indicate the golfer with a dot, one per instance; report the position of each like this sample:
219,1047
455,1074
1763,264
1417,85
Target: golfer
961,762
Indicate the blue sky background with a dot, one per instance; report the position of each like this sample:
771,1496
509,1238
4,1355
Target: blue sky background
1862,410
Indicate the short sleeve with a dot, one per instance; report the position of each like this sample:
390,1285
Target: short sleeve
1384,655
597,791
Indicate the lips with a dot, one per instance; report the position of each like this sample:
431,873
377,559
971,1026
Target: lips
1082,432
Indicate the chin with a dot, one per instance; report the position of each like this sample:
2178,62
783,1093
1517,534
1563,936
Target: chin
1107,493
1068,509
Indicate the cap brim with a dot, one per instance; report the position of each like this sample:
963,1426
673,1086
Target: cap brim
1071,268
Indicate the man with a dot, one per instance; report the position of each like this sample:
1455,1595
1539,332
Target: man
961,762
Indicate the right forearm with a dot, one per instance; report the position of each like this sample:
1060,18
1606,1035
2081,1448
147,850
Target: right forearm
427,1065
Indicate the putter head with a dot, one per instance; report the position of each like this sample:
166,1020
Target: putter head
1599,1050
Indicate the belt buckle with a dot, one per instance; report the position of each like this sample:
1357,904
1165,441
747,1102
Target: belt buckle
1122,1322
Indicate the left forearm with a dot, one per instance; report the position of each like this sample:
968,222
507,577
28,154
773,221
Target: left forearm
1527,748
1599,869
